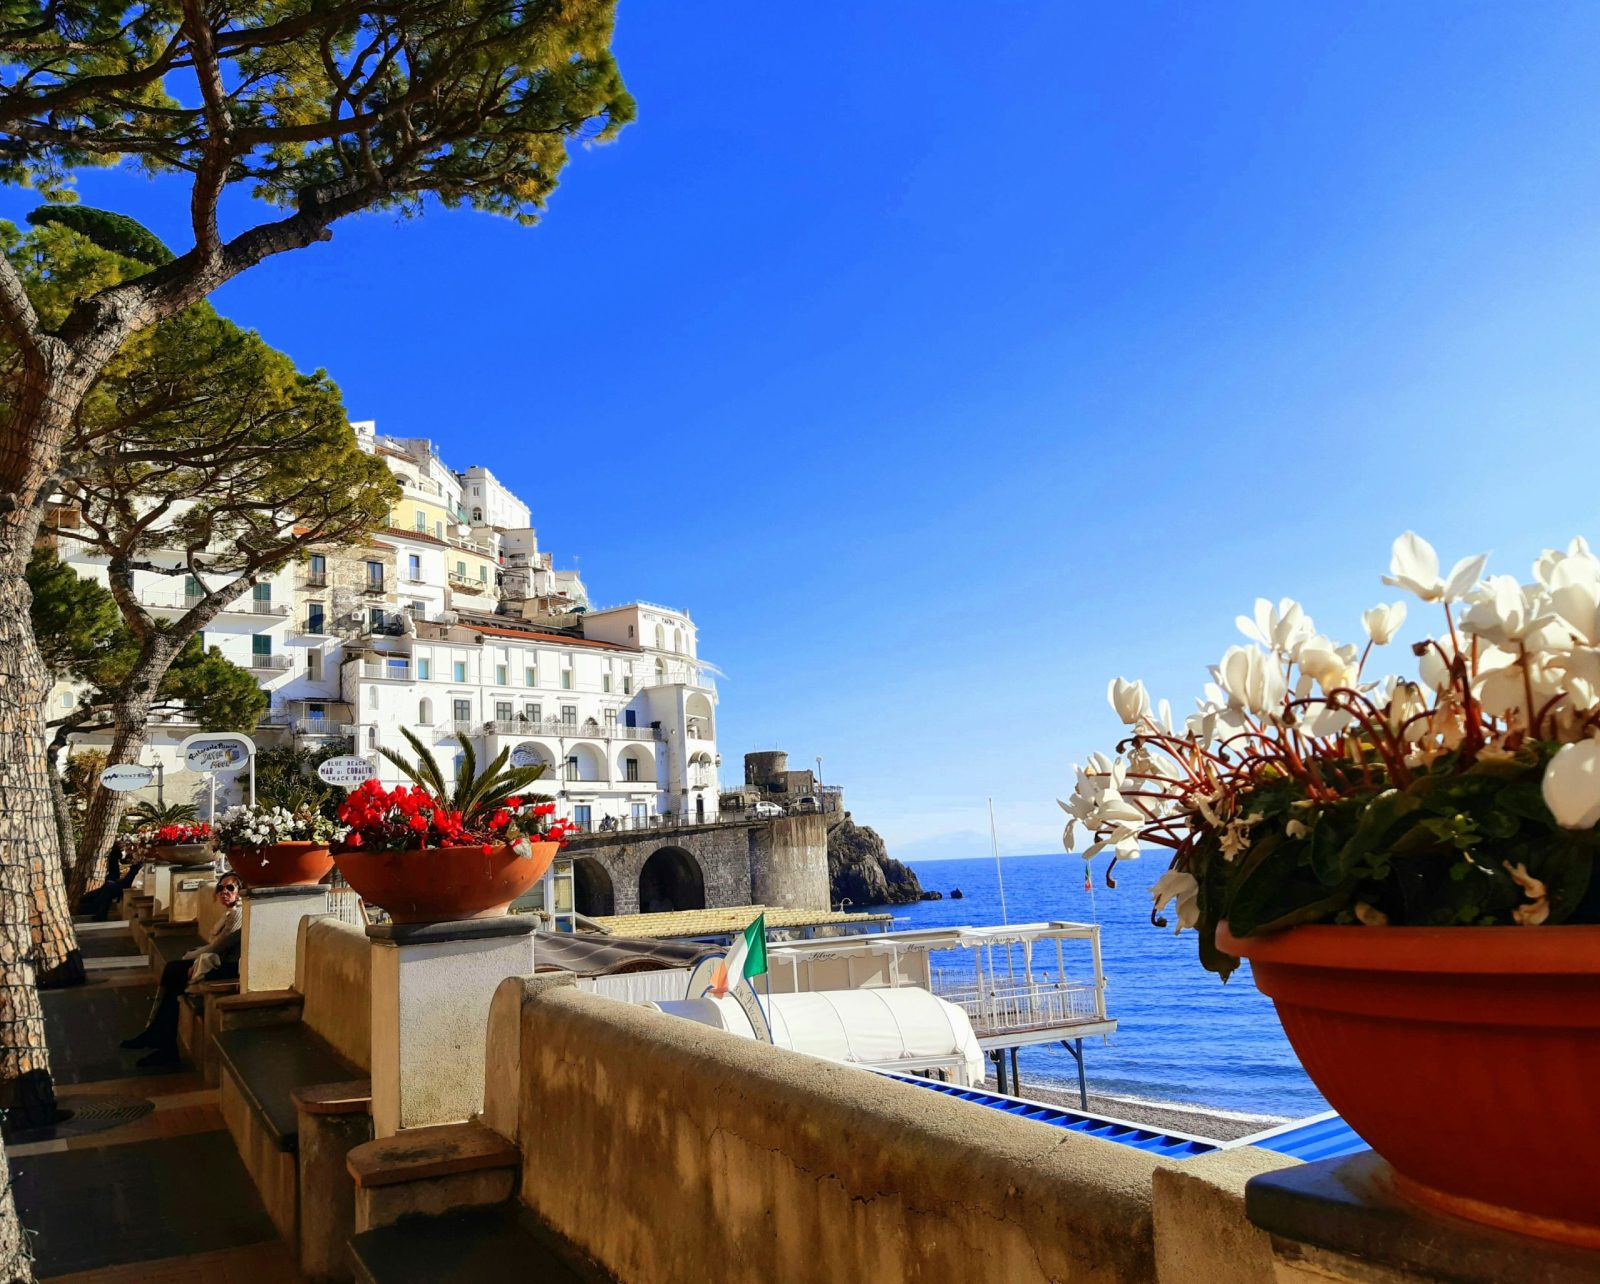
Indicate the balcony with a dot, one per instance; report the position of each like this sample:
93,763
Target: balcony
460,727
378,586
394,671
270,663
322,727
312,580
569,730
468,584
180,603
389,624
1014,1008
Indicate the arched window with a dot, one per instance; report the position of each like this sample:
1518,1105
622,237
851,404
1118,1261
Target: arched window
677,640
661,638
477,514
425,713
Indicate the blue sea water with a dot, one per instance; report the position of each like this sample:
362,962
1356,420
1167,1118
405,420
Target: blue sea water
1183,1037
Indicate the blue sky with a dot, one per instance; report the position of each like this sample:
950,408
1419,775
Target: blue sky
948,362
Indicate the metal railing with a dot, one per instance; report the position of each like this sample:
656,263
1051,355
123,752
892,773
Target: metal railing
392,672
188,601
271,663
322,727
568,730
1024,1005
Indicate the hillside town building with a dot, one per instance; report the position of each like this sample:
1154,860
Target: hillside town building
452,622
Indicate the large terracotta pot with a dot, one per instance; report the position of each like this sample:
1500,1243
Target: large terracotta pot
182,853
1464,1055
281,864
444,883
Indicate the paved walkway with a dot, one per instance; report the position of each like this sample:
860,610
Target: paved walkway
156,1193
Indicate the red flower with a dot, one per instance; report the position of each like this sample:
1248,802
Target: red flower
513,803
488,849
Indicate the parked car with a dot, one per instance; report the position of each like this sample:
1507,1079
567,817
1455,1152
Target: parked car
765,810
805,802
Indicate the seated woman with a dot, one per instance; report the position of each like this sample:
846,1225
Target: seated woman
97,903
161,1035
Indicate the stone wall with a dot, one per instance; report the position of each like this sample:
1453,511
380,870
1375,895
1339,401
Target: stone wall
660,1147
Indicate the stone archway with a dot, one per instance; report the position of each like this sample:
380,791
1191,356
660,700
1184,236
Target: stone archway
671,880
592,893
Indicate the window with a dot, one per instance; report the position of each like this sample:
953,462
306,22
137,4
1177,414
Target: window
191,587
372,697
605,682
630,630
501,675
260,646
502,711
566,679
477,514
641,813
319,569
532,713
261,595
422,521
677,639
630,718
461,710
314,665
372,737
627,684
314,618
569,714
611,718
572,769
630,769
316,712
375,619
530,677
67,699
397,666
483,574
424,669
375,575
461,570
458,670
438,530
661,638
418,610
581,814
424,713
414,565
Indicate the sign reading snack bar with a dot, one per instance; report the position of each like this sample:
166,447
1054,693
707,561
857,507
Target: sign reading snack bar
346,770
213,751
126,776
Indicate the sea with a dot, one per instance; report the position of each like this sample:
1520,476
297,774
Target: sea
1184,1039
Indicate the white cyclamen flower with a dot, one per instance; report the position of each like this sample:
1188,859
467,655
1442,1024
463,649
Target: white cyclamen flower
1129,700
1252,681
1571,785
1281,628
1503,612
1382,622
1415,566
1177,885
1333,666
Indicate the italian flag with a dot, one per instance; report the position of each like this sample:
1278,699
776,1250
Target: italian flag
747,958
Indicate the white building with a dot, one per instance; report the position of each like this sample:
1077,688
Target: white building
452,622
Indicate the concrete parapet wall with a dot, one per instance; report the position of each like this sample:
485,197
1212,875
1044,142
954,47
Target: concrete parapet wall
333,970
668,1151
1201,1229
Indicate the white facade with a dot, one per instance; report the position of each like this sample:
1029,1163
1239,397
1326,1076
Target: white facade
405,634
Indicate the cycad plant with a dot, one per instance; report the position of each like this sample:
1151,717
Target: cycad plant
149,813
477,795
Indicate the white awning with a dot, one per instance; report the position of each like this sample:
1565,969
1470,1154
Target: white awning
905,1028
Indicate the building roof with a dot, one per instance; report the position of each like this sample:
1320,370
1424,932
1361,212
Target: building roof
591,954
727,921
560,639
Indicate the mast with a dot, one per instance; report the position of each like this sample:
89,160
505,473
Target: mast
994,844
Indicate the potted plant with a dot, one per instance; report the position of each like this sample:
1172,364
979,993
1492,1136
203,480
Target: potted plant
427,852
1408,864
275,847
182,844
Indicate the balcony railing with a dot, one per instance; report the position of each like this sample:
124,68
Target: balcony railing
399,672
322,727
314,581
464,727
188,601
1037,1005
568,730
271,663
375,586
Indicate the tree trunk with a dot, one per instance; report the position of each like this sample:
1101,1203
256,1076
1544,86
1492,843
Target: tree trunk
107,805
16,1262
27,841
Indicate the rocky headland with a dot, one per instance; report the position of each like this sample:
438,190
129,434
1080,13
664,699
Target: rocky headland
861,870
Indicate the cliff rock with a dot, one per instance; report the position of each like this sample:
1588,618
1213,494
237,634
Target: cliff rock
861,870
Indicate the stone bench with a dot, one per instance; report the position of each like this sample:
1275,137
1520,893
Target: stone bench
503,1242
198,1021
261,1066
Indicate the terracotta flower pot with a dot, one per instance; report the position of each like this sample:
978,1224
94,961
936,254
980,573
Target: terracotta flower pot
281,864
1464,1055
441,884
182,853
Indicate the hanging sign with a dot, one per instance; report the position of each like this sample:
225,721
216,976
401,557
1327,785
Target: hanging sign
525,756
346,771
217,751
126,776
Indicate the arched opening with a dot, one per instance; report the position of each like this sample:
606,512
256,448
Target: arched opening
636,766
661,638
671,880
677,640
584,763
697,711
592,894
425,713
